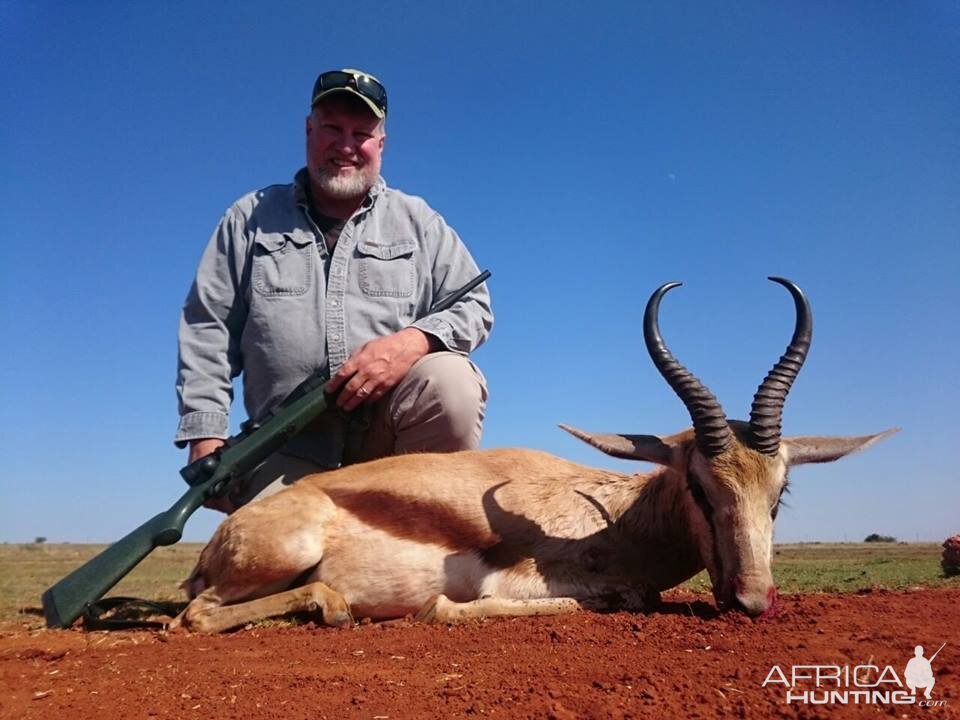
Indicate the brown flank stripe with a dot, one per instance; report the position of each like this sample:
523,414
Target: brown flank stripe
413,519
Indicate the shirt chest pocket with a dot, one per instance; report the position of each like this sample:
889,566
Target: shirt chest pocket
282,264
387,270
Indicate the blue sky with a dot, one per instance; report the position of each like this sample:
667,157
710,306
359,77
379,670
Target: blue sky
586,152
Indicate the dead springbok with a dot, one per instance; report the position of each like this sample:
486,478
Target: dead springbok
520,532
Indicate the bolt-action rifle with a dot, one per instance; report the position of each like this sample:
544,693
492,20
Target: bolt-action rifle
208,477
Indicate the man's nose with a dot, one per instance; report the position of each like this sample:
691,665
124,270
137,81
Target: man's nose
345,144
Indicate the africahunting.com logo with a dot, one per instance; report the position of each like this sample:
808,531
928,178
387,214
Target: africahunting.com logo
866,684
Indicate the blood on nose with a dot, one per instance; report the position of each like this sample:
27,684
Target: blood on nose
773,603
754,604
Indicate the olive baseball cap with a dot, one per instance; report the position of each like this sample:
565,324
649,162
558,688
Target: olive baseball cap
356,82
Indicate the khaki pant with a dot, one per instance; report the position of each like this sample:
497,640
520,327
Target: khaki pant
437,407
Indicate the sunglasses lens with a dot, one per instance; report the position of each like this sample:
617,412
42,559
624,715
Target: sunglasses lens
335,79
366,86
372,89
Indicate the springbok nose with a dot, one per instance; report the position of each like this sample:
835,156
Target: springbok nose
761,602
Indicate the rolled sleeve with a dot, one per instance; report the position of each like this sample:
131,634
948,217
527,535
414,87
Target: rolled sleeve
198,425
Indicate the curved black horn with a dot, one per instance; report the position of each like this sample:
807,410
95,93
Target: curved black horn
709,422
767,409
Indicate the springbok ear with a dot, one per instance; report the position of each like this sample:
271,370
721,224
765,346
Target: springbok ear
631,447
812,449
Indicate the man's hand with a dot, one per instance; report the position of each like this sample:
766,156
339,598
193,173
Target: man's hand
202,448
374,369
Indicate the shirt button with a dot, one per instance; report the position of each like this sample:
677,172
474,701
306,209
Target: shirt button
335,336
334,303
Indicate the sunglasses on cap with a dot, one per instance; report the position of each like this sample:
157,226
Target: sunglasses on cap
366,86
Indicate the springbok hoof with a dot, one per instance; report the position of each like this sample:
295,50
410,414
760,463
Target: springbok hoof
336,613
339,619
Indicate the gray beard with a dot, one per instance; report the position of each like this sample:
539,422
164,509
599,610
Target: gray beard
353,186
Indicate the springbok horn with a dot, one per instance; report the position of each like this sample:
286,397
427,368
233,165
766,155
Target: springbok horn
767,409
713,435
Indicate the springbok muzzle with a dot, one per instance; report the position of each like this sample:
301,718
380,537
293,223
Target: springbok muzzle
752,599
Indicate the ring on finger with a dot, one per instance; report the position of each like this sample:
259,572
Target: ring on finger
362,391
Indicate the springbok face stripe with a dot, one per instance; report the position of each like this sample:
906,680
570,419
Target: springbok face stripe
700,498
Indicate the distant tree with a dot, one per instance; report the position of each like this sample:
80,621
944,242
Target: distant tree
39,540
873,537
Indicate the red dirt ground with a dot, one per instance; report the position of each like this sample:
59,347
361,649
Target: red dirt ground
681,661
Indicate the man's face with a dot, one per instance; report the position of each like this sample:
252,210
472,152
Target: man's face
344,147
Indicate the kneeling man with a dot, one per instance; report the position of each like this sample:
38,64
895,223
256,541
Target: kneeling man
335,271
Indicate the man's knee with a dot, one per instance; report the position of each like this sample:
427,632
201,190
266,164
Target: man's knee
453,381
440,404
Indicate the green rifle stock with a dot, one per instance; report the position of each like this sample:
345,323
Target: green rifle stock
208,477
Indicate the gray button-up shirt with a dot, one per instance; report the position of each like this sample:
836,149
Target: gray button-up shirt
262,303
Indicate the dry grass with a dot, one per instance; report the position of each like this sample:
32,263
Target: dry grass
29,569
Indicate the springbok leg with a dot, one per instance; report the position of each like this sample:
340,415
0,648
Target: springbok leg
201,616
440,608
